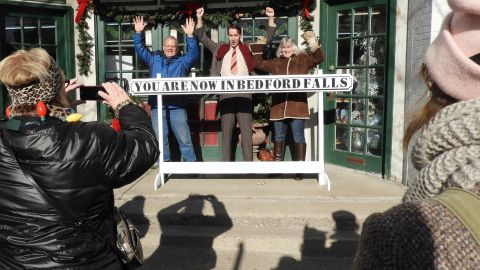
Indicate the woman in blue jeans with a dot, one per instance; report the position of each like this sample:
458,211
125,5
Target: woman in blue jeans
290,109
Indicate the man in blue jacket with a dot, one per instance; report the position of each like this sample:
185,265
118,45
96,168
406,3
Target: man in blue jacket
168,64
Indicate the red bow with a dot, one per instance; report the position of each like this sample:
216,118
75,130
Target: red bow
190,7
82,4
305,4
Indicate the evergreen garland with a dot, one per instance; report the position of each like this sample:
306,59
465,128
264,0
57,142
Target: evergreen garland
305,25
85,44
174,14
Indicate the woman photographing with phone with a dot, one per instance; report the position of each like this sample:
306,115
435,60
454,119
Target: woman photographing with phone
76,164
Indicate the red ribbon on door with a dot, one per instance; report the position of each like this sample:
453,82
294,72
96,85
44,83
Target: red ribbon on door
82,5
305,4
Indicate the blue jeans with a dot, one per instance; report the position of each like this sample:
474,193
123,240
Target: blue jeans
176,119
297,126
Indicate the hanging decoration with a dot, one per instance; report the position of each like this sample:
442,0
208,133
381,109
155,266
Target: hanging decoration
82,5
305,25
85,42
305,4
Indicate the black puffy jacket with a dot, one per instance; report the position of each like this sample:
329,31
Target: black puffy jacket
78,164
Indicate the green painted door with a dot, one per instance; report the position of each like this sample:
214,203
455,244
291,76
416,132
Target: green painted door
28,26
355,42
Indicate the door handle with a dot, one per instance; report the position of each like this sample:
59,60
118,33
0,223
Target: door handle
331,68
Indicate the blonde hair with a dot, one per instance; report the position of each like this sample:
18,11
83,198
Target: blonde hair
25,67
437,101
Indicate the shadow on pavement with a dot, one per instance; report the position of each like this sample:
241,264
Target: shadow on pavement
187,234
315,254
135,205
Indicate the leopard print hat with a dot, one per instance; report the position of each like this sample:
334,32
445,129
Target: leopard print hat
24,97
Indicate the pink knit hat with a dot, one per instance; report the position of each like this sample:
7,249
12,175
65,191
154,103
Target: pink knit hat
448,57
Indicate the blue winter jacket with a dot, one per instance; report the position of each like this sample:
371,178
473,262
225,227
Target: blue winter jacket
177,66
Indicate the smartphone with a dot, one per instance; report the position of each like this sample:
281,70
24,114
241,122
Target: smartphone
90,92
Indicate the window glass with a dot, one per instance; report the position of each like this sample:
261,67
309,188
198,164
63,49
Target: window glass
47,31
30,30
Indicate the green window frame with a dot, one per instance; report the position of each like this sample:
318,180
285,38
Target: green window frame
29,25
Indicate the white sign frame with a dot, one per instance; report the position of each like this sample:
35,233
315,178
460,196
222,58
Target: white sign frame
233,84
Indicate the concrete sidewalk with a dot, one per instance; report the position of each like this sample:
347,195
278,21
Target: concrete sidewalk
252,221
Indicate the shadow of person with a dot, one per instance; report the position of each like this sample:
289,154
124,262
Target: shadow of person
314,251
346,236
187,234
134,208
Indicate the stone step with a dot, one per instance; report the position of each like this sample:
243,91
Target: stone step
260,211
181,258
295,241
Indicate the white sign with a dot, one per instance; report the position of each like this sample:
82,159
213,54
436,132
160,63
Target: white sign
241,84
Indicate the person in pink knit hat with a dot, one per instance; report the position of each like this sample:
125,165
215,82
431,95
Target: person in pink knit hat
438,226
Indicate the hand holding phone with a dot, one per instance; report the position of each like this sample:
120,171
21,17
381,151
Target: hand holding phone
114,94
90,92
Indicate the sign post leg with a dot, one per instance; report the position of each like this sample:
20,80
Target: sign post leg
160,178
322,177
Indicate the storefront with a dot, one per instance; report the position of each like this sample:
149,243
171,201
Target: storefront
359,37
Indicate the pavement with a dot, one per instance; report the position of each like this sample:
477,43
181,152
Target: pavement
254,221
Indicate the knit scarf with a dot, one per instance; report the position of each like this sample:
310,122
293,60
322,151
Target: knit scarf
247,55
447,151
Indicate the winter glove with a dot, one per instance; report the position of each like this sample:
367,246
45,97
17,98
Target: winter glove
262,40
312,41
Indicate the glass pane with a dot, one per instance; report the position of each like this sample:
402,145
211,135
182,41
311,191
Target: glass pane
111,34
359,81
52,50
344,23
112,77
148,37
341,138
341,110
375,112
358,111
182,39
377,50
112,59
140,64
181,49
343,49
260,30
247,29
282,27
142,75
48,31
12,30
127,33
379,21
376,81
358,140
360,51
374,142
360,26
128,55
30,30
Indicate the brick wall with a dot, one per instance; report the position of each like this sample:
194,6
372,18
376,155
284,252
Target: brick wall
424,22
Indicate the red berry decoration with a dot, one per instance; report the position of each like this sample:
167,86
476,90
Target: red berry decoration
8,112
41,110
